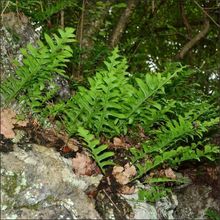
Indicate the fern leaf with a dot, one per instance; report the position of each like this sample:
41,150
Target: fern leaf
38,64
98,152
154,83
100,106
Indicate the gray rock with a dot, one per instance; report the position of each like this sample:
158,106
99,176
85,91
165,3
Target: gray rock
194,201
166,206
16,32
40,184
141,210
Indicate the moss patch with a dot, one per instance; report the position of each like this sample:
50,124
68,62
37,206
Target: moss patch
12,183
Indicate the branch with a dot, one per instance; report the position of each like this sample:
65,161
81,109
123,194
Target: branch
87,27
194,40
122,23
62,19
206,13
90,24
185,19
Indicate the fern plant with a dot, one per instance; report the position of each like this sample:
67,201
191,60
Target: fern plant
154,194
146,89
38,68
166,146
102,106
113,102
98,152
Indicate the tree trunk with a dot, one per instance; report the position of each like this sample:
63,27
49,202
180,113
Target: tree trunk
122,23
189,45
88,26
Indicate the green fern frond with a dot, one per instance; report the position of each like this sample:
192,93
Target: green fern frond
155,113
152,84
172,133
98,152
53,8
174,157
102,106
112,102
39,64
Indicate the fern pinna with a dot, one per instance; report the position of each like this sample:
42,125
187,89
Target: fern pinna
171,144
97,151
39,64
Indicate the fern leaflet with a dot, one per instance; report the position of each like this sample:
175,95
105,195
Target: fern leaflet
98,152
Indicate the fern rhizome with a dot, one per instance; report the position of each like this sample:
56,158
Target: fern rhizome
115,102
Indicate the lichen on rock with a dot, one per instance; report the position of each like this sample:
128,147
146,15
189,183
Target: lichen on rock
41,183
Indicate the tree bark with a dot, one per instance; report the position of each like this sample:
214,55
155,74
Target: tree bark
89,24
189,45
122,23
185,19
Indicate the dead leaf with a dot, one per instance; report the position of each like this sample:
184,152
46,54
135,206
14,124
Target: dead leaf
83,165
7,123
170,173
213,172
123,175
117,142
22,123
127,190
72,144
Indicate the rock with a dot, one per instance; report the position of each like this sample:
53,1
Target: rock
112,206
16,32
141,210
166,206
40,184
194,201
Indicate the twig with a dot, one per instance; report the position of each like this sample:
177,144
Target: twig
62,19
111,201
205,12
187,25
153,6
185,20
81,37
81,24
6,6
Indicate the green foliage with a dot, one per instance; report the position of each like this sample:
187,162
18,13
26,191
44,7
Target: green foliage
153,180
154,194
170,144
40,10
212,214
102,105
113,102
97,150
38,68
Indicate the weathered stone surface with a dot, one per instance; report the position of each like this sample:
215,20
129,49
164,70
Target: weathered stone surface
165,207
37,183
16,32
40,184
141,210
194,201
